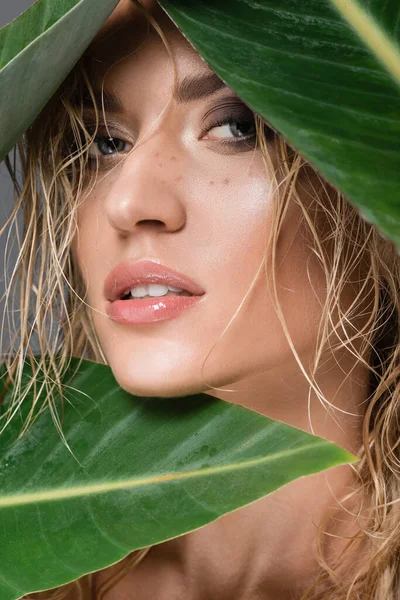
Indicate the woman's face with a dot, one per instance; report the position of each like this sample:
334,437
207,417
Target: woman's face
194,197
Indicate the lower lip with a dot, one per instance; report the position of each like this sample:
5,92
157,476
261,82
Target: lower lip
149,310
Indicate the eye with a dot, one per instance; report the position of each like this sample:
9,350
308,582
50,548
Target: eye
232,128
106,145
232,124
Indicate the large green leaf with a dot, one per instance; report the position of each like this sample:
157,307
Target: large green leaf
37,50
324,73
145,470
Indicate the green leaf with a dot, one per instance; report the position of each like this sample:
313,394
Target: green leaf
145,470
324,73
37,51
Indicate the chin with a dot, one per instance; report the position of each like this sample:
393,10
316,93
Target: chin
143,389
156,383
168,379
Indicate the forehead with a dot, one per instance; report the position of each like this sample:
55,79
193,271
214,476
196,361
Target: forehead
128,39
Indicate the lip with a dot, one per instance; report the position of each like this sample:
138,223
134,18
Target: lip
144,311
127,274
149,310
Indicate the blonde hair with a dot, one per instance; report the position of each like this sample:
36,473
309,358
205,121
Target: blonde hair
50,294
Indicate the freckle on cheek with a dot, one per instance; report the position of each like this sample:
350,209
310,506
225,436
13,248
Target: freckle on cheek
160,164
226,181
179,178
173,157
157,154
211,182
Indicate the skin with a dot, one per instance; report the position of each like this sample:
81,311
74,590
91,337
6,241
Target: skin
185,199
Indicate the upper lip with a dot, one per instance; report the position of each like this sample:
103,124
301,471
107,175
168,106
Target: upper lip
127,274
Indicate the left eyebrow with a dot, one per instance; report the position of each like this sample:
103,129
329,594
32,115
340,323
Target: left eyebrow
197,87
189,89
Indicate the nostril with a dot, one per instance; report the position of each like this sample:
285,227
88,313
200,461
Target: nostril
151,223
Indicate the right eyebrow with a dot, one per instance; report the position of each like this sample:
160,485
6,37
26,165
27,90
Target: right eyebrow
112,104
189,89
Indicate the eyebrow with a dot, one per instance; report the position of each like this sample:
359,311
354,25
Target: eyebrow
197,87
189,89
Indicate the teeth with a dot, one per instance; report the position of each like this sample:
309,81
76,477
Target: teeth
153,290
139,291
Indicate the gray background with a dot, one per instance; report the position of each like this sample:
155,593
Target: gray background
9,9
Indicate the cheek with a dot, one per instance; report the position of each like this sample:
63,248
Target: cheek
255,340
91,246
229,217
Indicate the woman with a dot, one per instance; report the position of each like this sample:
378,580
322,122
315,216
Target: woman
293,308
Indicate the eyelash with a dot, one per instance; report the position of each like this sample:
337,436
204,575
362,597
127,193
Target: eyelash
232,119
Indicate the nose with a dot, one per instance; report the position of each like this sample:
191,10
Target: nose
145,193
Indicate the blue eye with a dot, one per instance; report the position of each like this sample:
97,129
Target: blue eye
232,124
106,145
234,128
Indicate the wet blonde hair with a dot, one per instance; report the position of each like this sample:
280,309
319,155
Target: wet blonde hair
49,293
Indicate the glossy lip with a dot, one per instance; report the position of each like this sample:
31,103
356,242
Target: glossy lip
127,274
147,311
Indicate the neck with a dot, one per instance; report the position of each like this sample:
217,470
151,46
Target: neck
332,409
268,545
